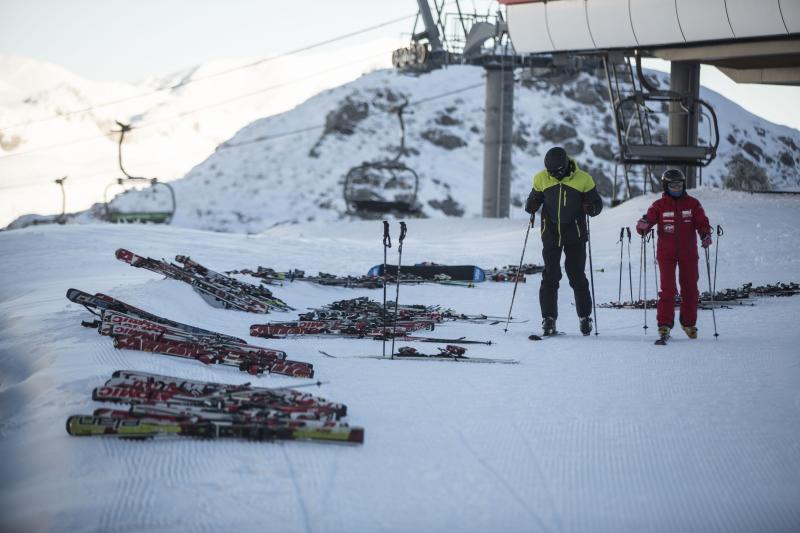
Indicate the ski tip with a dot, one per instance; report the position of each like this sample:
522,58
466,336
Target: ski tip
356,435
124,255
73,426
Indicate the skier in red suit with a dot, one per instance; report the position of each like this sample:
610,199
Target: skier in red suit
680,218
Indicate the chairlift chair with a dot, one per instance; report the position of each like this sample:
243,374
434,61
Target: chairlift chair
376,188
381,187
635,151
163,216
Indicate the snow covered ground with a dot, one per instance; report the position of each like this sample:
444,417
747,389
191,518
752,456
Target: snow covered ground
601,434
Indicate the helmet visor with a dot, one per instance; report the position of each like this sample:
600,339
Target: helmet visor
675,186
560,172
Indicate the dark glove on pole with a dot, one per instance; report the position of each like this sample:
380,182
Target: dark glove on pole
533,203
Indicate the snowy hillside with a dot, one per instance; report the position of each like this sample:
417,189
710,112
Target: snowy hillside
605,433
267,175
180,118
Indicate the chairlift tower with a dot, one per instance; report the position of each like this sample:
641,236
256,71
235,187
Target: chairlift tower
459,38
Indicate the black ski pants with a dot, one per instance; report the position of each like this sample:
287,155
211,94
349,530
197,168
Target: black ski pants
575,265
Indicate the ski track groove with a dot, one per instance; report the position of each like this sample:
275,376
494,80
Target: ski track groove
175,461
331,481
108,356
298,492
503,481
541,475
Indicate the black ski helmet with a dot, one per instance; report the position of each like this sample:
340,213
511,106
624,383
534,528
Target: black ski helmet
673,175
557,162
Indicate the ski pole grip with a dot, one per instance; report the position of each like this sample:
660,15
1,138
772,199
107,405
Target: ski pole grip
621,233
628,231
387,240
720,233
402,231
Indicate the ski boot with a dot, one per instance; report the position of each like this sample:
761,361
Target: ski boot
586,325
663,334
549,326
691,331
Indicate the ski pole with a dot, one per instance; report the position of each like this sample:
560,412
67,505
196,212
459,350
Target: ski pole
639,297
591,275
720,233
621,246
644,262
397,293
387,243
655,259
630,271
713,314
516,281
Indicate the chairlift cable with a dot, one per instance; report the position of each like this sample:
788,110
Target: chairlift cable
189,81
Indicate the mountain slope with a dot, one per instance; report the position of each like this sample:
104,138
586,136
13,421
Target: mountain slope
267,175
178,119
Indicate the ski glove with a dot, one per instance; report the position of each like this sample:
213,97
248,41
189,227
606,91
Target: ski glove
588,208
533,203
642,227
705,240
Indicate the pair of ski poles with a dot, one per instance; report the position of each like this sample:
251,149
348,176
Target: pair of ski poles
622,232
647,237
519,270
387,243
713,288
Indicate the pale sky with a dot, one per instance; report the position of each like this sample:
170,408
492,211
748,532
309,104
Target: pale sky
129,40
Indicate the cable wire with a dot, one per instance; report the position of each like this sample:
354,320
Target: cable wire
189,81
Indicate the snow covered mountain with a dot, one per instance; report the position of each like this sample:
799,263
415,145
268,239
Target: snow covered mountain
600,434
291,167
46,131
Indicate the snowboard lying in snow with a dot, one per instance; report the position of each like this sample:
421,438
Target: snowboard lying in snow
434,272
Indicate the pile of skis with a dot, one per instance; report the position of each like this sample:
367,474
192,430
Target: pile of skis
364,318
269,276
743,295
513,273
448,353
216,289
151,405
134,329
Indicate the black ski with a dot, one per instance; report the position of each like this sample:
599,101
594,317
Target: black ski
535,337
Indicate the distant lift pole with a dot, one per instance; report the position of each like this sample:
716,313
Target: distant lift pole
499,121
684,78
441,49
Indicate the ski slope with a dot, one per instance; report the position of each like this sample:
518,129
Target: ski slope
605,433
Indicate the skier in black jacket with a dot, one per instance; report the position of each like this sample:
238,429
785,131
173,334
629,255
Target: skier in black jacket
567,195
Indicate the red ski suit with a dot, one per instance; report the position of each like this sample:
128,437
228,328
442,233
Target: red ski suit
679,222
